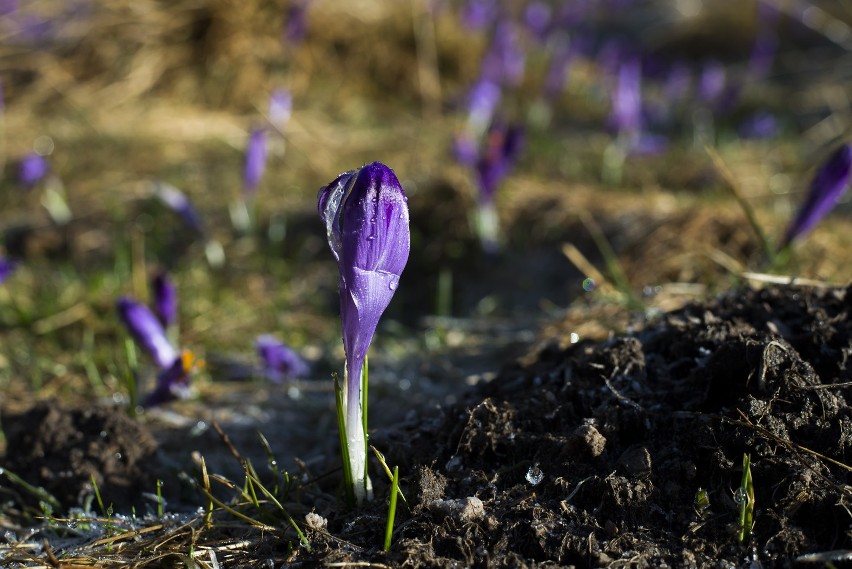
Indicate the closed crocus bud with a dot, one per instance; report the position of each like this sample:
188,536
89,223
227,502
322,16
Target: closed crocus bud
165,299
366,218
147,331
826,188
279,361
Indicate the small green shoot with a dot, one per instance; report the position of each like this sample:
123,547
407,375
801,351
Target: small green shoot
732,185
381,458
38,492
392,508
616,273
701,503
744,497
159,498
444,293
107,512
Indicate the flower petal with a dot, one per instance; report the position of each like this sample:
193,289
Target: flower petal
147,331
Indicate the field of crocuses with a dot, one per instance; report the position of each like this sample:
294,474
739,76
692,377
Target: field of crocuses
440,283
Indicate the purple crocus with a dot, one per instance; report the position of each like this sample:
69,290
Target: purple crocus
255,161
280,108
165,299
502,146
296,26
828,185
179,203
279,361
147,331
32,169
175,367
366,216
7,267
627,98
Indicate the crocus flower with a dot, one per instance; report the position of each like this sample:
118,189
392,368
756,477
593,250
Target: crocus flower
280,108
296,26
279,361
828,185
627,98
537,18
147,331
482,102
366,216
165,299
7,267
504,62
502,146
255,162
175,367
32,169
178,202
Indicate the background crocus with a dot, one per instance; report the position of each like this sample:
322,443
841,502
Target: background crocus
500,149
279,361
255,161
366,218
280,108
179,203
7,267
32,169
165,299
175,366
828,185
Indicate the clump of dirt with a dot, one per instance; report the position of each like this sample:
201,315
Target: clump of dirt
596,454
62,449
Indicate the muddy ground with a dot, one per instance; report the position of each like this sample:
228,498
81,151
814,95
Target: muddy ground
594,455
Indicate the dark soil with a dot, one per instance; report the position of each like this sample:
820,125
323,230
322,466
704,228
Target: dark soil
590,456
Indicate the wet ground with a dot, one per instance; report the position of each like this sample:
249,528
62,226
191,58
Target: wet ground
625,452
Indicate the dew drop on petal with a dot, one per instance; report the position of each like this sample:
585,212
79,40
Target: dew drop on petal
393,284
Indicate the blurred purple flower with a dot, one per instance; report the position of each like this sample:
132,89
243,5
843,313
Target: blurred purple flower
165,299
759,125
464,150
255,161
647,144
179,203
296,25
677,83
172,383
537,16
147,331
280,108
627,98
502,147
478,14
711,82
765,46
279,361
32,169
7,267
175,367
504,61
482,102
828,185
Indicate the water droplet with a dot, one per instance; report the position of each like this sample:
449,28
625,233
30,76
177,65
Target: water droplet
575,337
740,496
393,284
535,475
589,284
